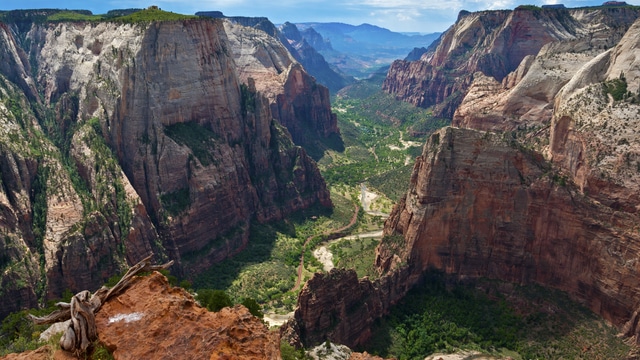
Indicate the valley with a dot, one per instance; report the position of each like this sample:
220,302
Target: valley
479,198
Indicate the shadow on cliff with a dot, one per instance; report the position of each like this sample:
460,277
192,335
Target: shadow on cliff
317,148
442,314
266,268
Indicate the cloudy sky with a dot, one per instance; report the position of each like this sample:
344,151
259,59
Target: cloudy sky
398,15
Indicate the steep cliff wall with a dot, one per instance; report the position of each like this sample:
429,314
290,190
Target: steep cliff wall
480,206
145,139
495,43
56,234
297,101
339,307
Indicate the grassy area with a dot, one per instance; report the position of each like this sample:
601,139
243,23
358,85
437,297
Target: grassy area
376,132
73,16
530,323
358,254
153,14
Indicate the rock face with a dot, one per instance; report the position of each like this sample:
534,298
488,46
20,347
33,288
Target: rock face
339,307
152,320
495,43
156,141
286,36
478,206
551,198
296,100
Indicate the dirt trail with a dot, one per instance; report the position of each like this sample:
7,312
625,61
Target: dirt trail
354,218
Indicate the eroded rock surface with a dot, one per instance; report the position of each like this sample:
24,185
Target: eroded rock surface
478,206
156,141
495,43
152,320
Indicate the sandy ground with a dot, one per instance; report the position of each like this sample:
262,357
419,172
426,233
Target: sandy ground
463,355
277,319
325,257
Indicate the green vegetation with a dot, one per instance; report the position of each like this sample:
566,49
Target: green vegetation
267,269
39,201
213,300
19,334
389,182
289,352
248,100
356,254
73,16
176,202
375,128
617,88
441,316
153,13
200,140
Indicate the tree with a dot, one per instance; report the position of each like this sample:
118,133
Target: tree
214,300
254,308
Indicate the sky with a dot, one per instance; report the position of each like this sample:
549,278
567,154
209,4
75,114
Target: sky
424,16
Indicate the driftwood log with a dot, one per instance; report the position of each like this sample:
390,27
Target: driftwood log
83,306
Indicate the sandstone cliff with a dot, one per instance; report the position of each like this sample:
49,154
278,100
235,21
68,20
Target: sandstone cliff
495,43
587,97
146,137
296,100
339,307
480,206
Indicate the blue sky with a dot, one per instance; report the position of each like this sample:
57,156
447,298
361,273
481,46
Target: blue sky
398,15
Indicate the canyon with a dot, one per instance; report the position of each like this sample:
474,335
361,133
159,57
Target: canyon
536,183
120,139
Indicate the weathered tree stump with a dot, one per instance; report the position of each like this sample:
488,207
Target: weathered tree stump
81,310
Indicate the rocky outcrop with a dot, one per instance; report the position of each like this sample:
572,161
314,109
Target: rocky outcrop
594,130
288,36
481,206
296,100
153,320
170,322
564,88
339,307
494,43
147,139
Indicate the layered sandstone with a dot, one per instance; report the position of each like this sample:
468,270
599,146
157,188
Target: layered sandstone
296,100
494,43
158,145
592,134
480,206
339,307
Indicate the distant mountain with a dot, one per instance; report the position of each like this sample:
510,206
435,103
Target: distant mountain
361,50
290,37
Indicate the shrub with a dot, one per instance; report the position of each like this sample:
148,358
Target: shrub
254,308
213,300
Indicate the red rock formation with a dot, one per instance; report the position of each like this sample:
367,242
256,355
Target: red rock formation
152,320
478,206
174,156
495,43
300,104
339,307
